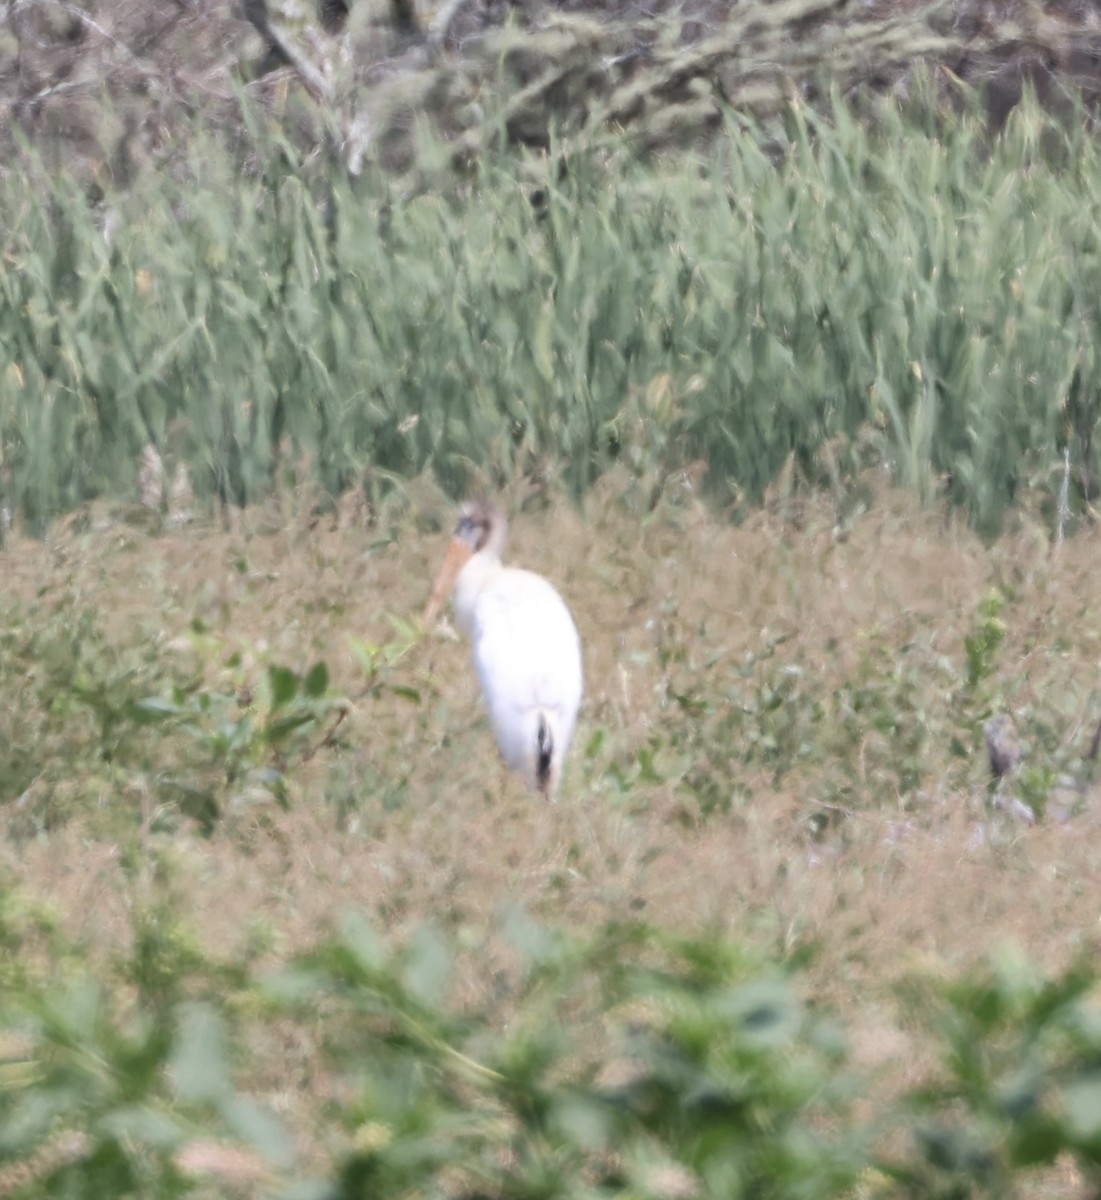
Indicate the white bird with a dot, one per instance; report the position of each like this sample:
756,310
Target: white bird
526,648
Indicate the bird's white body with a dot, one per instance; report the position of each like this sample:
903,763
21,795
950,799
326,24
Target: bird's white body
527,654
528,657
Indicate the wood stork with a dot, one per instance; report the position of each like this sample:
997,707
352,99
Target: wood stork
526,649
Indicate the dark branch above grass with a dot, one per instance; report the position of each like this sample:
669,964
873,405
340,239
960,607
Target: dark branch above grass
367,80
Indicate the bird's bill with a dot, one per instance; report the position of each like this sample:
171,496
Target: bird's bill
458,555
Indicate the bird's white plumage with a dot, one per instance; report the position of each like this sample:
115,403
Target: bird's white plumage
528,657
527,652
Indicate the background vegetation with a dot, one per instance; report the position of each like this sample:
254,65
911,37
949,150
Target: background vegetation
271,920
898,297
750,243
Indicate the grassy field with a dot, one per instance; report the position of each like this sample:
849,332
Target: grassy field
780,758
803,429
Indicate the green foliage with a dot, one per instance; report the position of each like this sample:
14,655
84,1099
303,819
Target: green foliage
708,1068
633,1062
73,698
249,736
876,737
817,297
983,641
102,1088
1018,1085
83,699
901,725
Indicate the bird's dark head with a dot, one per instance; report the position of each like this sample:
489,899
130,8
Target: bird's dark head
481,526
481,529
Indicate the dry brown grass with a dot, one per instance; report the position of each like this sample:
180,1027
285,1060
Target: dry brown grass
898,886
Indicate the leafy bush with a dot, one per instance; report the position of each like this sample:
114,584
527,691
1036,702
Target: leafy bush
1019,1083
92,715
633,1063
637,1063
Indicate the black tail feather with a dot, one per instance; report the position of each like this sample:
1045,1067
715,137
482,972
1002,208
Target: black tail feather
544,742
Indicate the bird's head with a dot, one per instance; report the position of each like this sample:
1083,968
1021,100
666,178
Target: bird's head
481,530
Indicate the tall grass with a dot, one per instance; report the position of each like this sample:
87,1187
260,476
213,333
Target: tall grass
831,294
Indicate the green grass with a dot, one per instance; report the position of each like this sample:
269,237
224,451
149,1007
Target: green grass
798,305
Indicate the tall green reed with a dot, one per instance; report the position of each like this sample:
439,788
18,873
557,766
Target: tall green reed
925,301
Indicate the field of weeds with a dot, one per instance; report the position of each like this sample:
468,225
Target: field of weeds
278,922
787,379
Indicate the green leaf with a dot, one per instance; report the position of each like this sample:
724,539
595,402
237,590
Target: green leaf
256,1127
427,965
308,1189
1082,1103
145,1126
29,1118
582,1121
284,684
366,654
317,681
293,985
407,630
542,343
534,941
155,708
363,943
1038,1140
765,1011
199,1056
75,1014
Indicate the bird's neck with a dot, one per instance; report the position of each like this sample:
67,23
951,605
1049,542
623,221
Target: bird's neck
477,575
